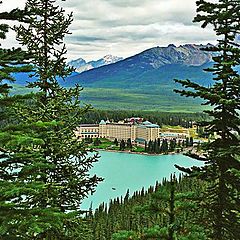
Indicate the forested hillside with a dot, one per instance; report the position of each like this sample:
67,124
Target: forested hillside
135,84
152,213
161,118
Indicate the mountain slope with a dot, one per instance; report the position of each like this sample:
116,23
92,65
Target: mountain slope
80,62
152,65
146,81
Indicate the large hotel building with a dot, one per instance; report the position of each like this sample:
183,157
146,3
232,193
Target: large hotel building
139,132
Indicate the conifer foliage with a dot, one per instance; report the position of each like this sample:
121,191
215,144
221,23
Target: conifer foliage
45,176
11,60
167,211
222,164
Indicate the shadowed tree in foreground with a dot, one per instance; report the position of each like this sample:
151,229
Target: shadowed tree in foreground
222,168
46,174
11,61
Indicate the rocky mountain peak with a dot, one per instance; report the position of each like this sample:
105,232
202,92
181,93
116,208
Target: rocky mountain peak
81,65
187,54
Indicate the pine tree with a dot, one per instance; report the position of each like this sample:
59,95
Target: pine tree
164,147
155,146
173,207
115,142
191,141
122,145
172,145
150,146
145,146
46,174
11,61
223,166
129,143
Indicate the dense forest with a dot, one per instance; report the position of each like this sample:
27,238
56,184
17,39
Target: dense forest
152,213
44,169
161,118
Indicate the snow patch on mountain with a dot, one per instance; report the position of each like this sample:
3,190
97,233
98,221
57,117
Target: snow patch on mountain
81,65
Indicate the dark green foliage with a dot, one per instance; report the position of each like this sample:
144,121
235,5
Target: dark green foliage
44,170
88,140
161,118
122,145
115,142
191,141
129,143
11,60
152,214
96,142
172,145
175,205
162,146
124,235
223,165
150,146
145,146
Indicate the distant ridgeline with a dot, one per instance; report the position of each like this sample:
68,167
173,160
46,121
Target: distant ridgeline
144,81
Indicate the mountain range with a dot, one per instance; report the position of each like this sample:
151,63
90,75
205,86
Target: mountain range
144,81
81,65
146,65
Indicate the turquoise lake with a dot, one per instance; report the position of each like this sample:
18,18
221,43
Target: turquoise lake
123,171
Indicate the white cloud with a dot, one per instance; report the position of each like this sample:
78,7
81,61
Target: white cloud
126,27
11,4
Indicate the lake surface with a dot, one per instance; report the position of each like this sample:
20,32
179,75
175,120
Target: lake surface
123,171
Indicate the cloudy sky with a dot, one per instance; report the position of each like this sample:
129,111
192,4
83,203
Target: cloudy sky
126,27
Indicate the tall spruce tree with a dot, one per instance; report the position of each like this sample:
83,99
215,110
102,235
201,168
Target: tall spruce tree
222,168
122,145
170,213
45,178
168,202
11,61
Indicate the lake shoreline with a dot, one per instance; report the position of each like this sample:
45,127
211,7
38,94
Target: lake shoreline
139,153
199,158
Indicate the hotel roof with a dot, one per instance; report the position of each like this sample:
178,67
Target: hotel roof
102,122
148,124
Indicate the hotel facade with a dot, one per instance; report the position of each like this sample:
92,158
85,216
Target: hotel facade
142,132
